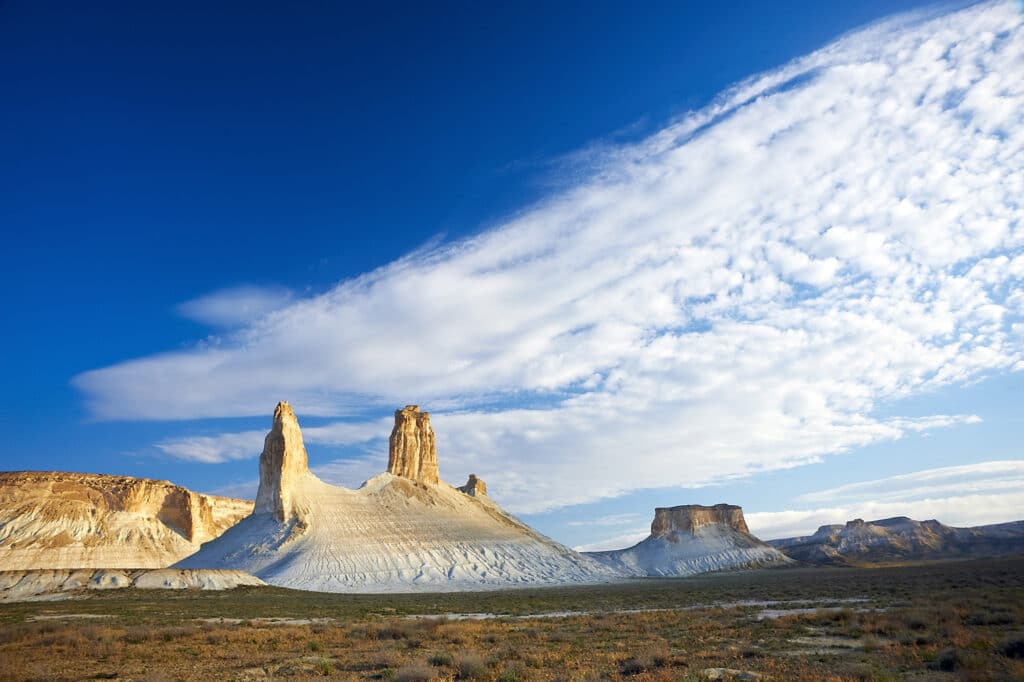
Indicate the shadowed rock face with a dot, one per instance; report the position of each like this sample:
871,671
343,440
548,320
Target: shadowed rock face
690,517
282,463
901,539
474,486
412,451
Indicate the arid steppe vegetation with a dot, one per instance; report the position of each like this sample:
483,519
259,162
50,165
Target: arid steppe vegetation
955,620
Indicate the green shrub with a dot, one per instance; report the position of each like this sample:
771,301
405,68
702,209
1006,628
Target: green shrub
440,658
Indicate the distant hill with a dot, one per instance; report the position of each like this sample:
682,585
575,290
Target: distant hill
692,539
901,539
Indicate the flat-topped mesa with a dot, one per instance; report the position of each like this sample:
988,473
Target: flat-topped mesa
282,463
690,517
474,487
412,448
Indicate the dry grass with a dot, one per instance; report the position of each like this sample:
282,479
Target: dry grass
908,627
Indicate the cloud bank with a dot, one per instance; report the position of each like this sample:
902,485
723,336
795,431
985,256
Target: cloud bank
739,292
968,495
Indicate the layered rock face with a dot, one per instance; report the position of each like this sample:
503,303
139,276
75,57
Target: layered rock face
49,584
474,486
412,448
52,519
687,518
900,538
283,463
401,531
692,539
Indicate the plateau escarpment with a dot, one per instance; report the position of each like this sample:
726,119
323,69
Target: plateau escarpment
901,539
404,529
54,520
692,539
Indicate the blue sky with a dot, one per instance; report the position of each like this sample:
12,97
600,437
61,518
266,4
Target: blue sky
626,258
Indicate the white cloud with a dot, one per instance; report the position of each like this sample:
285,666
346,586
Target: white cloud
735,293
235,306
618,542
627,519
224,447
215,449
968,495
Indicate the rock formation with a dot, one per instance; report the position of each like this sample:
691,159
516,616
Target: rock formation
412,448
56,520
52,584
474,486
283,463
687,518
860,542
401,531
693,539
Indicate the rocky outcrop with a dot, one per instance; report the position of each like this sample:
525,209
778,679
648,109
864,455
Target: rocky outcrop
402,531
687,518
56,520
50,584
860,542
412,448
692,539
474,486
283,464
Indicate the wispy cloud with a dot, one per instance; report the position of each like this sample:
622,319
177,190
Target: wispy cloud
983,477
620,541
235,306
733,294
224,447
968,495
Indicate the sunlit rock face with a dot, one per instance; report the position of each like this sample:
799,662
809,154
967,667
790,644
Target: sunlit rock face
412,448
403,530
283,463
58,520
693,538
687,518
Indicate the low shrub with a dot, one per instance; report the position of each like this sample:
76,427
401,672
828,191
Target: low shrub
440,658
415,672
470,666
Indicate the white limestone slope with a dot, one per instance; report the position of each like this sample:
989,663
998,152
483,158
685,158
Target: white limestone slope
55,584
693,539
392,534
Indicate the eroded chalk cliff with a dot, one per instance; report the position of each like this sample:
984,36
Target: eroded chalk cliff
693,538
403,530
54,519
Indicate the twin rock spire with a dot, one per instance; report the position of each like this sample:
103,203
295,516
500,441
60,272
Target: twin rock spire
412,453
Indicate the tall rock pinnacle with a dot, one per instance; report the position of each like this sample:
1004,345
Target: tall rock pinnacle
282,463
412,451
